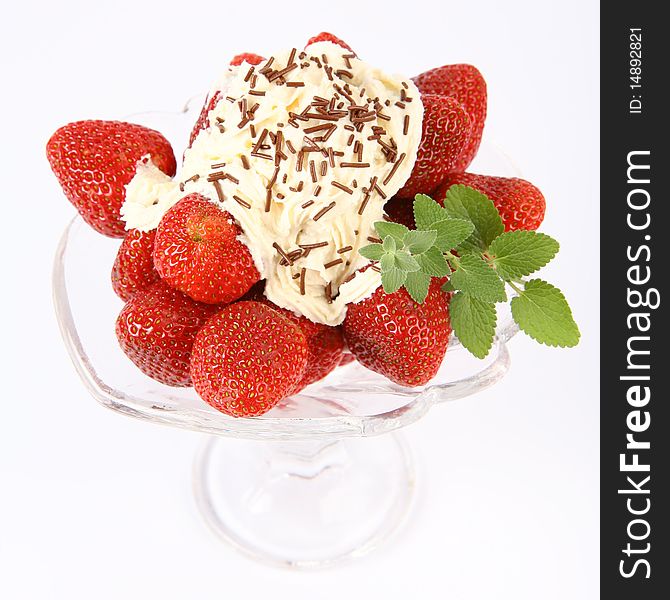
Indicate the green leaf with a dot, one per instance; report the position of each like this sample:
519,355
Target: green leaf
417,284
372,251
419,241
427,212
389,244
432,262
405,261
385,228
387,261
474,276
393,279
543,313
451,233
516,254
400,259
474,322
448,287
463,202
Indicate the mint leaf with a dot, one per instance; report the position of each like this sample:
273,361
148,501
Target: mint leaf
516,254
451,233
427,212
463,202
432,262
387,261
474,322
543,313
385,228
474,276
372,251
405,261
417,284
400,259
389,244
392,279
419,241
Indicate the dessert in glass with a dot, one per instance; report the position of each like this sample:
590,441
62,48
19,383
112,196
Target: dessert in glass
293,288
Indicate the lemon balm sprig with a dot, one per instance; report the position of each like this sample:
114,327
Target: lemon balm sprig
465,242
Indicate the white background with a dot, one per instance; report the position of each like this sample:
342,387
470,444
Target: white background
95,505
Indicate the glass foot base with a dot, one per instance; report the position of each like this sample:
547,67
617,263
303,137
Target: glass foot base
304,503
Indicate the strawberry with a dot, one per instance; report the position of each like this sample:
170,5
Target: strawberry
324,36
197,252
520,204
210,102
134,265
347,358
324,345
94,160
400,210
203,118
445,133
465,84
393,335
247,57
247,358
156,329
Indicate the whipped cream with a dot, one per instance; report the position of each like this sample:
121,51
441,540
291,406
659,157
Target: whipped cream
149,195
303,150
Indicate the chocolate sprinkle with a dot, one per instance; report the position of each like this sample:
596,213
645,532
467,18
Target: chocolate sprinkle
219,191
323,211
391,173
312,246
281,252
241,202
344,188
302,281
332,263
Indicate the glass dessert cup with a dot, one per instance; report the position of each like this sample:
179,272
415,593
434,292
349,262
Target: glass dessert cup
324,476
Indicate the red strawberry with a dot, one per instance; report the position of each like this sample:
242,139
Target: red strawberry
465,84
156,329
134,265
401,210
203,118
210,102
324,345
393,335
248,57
520,204
446,131
197,252
324,36
94,160
347,358
247,358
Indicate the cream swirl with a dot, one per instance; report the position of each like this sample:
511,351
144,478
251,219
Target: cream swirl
303,150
